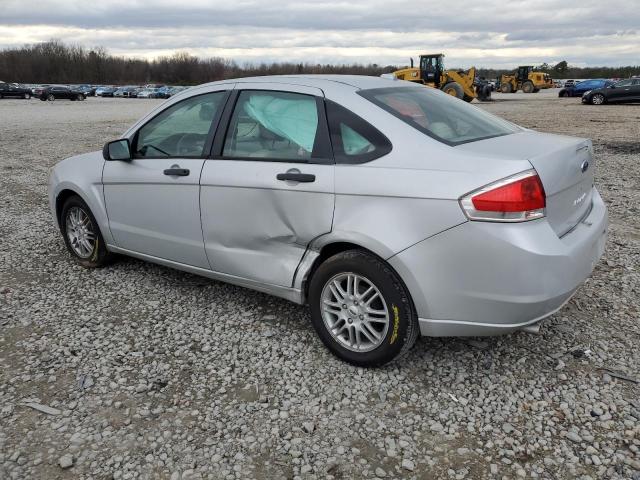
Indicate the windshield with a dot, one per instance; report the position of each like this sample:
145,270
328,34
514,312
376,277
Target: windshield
438,115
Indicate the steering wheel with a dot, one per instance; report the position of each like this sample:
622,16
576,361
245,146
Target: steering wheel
189,148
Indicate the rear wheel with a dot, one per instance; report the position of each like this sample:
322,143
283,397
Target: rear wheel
50,97
506,88
597,99
536,90
527,87
454,89
361,309
27,96
82,235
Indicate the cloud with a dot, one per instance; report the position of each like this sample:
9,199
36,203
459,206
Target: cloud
488,33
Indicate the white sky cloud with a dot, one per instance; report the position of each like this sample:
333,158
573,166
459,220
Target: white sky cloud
485,34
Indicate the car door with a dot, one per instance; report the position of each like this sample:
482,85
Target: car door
152,201
269,189
621,91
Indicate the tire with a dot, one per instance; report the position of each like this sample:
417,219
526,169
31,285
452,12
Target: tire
527,87
27,96
536,90
97,255
80,98
50,97
597,99
467,98
506,88
454,89
394,338
484,93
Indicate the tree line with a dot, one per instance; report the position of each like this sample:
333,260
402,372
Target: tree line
56,62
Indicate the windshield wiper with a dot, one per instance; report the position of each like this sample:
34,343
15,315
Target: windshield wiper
143,150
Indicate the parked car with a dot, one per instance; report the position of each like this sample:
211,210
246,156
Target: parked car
13,90
167,92
61,92
88,90
281,185
147,93
127,92
625,91
579,88
105,91
569,83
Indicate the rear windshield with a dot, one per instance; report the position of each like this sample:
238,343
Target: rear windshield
441,116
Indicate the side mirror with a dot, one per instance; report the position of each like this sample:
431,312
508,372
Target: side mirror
117,150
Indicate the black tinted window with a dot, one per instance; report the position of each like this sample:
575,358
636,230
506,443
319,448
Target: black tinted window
354,140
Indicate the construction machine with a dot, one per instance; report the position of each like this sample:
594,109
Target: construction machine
458,83
525,78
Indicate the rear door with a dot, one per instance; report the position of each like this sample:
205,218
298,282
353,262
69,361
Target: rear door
269,190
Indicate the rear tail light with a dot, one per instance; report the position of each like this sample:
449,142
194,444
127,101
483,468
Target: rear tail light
514,199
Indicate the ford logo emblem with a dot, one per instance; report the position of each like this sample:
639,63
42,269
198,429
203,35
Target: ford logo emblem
585,166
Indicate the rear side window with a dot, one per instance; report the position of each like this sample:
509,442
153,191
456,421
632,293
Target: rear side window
354,140
438,115
275,126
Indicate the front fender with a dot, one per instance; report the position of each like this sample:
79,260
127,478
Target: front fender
82,175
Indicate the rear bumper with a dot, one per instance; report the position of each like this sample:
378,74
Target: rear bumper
483,278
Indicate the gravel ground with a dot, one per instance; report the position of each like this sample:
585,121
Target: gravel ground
139,371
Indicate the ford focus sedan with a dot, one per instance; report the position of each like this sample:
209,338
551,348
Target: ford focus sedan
390,209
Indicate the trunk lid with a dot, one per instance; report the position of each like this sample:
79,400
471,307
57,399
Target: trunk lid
565,166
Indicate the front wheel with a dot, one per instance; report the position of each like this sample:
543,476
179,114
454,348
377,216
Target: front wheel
50,97
527,87
597,99
82,235
27,96
361,309
454,89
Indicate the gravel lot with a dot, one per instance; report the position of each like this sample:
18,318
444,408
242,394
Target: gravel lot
146,372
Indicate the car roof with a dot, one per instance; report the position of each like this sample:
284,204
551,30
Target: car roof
323,82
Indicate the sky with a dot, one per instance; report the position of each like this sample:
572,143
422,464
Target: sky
484,33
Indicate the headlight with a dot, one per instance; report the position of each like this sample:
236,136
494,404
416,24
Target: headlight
586,93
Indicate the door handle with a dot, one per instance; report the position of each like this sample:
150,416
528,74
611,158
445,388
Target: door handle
177,172
297,177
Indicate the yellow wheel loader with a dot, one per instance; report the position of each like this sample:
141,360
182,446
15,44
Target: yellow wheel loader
459,83
525,79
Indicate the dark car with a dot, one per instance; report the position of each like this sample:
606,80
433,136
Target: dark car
569,83
58,92
88,90
105,91
577,89
13,90
623,91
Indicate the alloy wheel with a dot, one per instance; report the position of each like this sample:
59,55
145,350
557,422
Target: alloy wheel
80,232
354,312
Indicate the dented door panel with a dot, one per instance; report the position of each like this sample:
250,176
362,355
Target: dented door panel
258,227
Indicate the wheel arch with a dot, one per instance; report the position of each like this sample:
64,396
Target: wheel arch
331,248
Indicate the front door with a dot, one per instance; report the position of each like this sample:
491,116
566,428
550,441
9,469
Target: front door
152,201
269,190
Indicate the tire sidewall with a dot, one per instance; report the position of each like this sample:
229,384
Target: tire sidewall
402,318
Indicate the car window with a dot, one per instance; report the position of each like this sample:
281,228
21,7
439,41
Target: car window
354,140
439,115
624,83
636,81
181,130
272,125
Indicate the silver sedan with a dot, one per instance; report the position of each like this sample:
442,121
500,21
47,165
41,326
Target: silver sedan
391,209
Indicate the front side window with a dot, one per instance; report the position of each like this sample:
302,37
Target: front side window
439,115
624,83
181,130
273,125
354,140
